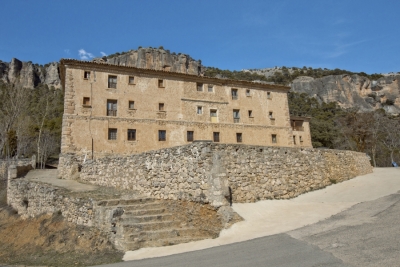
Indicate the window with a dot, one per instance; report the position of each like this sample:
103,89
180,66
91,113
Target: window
239,137
112,134
301,139
112,81
190,136
216,136
160,106
274,139
199,110
199,87
86,75
271,115
250,114
161,83
131,80
234,93
294,139
214,115
111,107
162,135
248,92
236,116
131,104
131,134
210,88
86,101
269,95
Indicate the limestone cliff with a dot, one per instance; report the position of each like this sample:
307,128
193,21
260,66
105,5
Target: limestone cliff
353,91
29,75
156,58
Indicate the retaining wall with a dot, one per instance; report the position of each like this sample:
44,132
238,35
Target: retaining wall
218,173
31,199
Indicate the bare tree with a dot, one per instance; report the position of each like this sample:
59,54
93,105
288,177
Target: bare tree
14,102
391,139
376,134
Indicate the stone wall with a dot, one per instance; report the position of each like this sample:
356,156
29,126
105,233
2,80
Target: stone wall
31,199
218,173
15,167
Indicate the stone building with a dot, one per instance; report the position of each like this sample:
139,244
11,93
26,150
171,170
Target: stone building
123,110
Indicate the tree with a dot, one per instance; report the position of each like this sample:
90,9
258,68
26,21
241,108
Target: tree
13,104
391,139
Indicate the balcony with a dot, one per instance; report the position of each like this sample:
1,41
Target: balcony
111,113
298,128
236,120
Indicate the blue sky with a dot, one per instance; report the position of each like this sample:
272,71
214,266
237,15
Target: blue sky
353,35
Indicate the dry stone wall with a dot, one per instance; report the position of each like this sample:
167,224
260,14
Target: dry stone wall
31,199
218,173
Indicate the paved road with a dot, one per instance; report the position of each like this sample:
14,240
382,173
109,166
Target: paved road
367,234
277,250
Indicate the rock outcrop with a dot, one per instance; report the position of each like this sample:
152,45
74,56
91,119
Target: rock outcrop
29,75
353,91
158,59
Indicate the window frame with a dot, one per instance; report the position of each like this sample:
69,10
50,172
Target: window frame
86,103
131,132
113,111
212,88
234,93
216,137
274,138
239,137
189,136
250,113
199,86
199,110
161,83
161,107
86,75
111,84
112,134
131,105
129,80
162,135
236,115
248,92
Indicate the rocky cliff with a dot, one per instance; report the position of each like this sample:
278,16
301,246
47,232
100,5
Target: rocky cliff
353,91
29,75
156,58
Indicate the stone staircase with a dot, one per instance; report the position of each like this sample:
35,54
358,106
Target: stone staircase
148,222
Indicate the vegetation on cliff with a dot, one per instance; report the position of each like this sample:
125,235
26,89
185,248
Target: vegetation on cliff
234,75
375,133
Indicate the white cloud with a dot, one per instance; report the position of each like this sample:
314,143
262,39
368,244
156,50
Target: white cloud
85,55
103,54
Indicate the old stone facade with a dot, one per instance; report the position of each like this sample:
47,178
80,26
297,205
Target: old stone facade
120,109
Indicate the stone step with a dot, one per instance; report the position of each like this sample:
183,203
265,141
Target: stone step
124,202
129,227
144,212
146,218
144,206
164,234
134,245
